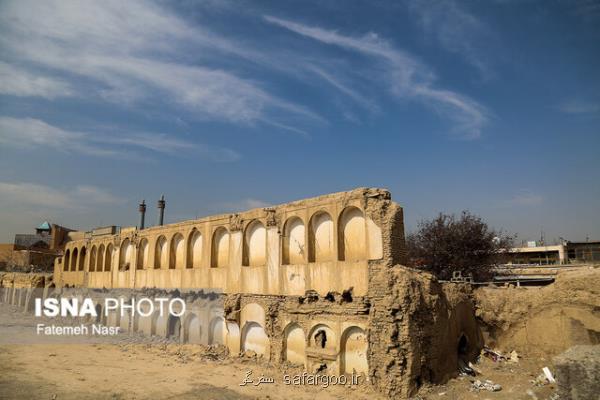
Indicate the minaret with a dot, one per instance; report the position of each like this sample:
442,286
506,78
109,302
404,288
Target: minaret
142,214
161,210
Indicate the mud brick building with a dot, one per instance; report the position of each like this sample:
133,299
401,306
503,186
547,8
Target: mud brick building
316,282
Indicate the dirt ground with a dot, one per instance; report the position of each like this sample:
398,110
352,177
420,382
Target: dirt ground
156,369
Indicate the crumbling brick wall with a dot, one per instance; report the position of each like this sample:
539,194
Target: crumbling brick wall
415,326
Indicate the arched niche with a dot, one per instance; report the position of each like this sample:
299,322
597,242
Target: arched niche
322,337
125,254
255,245
295,344
321,237
352,244
108,257
194,249
93,253
81,260
192,331
216,333
173,327
74,255
254,338
177,251
143,254
294,242
220,248
160,253
354,351
67,260
100,260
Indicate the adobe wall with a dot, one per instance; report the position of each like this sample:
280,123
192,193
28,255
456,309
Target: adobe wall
327,243
415,327
316,283
543,321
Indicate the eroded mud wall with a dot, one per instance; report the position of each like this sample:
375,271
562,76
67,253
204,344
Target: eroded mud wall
543,320
416,325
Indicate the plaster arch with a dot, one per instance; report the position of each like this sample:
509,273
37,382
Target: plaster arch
74,259
320,237
143,254
194,247
354,346
125,254
108,257
93,252
254,338
321,336
352,235
100,260
220,248
192,329
177,251
160,253
295,344
294,242
81,260
255,244
67,260
173,327
216,333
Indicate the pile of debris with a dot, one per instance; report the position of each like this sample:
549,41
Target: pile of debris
485,385
496,355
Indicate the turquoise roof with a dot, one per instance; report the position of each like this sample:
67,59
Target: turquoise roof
45,226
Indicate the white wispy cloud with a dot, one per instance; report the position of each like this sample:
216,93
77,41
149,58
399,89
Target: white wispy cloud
16,81
525,198
344,88
135,52
23,194
457,30
34,133
579,106
406,76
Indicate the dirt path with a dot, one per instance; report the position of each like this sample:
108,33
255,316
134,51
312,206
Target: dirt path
140,372
151,368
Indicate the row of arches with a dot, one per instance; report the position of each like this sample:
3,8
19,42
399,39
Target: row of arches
346,349
301,243
352,346
100,259
352,238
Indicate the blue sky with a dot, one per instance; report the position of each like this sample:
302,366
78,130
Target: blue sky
488,106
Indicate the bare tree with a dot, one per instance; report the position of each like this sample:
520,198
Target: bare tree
449,243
